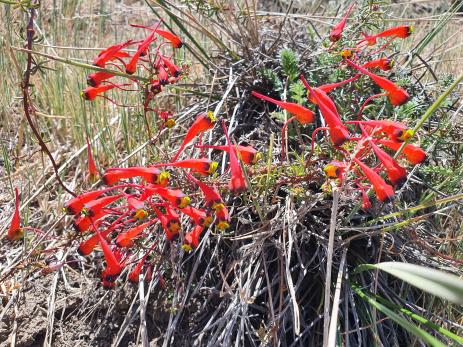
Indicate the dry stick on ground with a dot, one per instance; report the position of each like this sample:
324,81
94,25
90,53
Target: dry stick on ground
329,263
141,294
335,310
291,219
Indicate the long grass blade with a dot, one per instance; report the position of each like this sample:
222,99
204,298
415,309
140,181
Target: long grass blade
410,327
439,283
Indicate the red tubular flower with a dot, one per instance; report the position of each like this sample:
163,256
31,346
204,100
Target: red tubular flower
246,153
369,39
201,166
108,284
134,275
75,205
113,267
171,213
86,247
90,93
402,31
131,67
202,123
163,76
302,114
192,238
384,191
384,64
336,32
139,208
237,183
200,217
168,119
15,232
174,196
125,239
170,224
338,131
156,87
396,95
414,154
328,87
149,174
396,174
173,69
111,53
395,130
222,219
366,203
95,79
83,223
211,196
175,40
324,98
92,170
91,208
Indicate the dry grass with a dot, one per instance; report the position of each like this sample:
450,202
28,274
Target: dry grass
259,284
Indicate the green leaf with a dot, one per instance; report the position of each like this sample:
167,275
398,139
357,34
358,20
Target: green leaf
410,327
298,92
289,63
439,283
420,319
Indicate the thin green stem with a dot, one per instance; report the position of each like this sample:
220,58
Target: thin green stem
82,65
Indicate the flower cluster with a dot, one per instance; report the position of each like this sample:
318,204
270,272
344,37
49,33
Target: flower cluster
375,137
148,59
140,204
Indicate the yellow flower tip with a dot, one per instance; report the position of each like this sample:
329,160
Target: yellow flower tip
163,178
218,206
257,157
407,134
212,167
84,211
140,214
83,95
223,225
391,63
187,248
411,29
346,53
207,221
211,116
93,178
331,170
170,123
174,227
184,202
16,235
